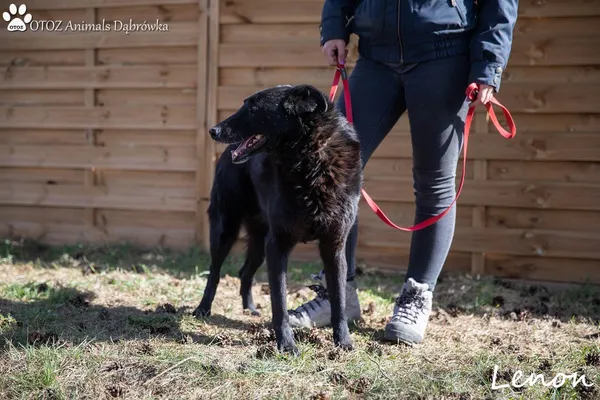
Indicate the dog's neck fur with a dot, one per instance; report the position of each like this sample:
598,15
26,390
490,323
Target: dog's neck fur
323,165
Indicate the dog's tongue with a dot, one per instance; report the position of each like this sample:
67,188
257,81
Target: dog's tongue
245,145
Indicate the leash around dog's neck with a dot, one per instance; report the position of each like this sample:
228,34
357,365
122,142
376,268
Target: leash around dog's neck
471,93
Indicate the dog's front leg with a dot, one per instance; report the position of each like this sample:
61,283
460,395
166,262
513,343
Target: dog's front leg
334,263
278,250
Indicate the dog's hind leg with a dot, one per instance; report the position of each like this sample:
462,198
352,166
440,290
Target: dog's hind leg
224,231
255,256
334,263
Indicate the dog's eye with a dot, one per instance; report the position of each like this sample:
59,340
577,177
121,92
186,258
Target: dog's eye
250,106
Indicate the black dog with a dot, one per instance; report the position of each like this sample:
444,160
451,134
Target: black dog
291,174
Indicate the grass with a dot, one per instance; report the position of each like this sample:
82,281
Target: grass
115,322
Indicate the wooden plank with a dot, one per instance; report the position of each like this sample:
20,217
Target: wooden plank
145,219
279,31
557,8
323,76
143,56
307,11
90,134
131,97
275,33
267,55
167,13
40,137
565,25
66,4
178,34
140,138
511,218
525,146
148,179
200,218
545,195
502,241
554,123
21,58
138,158
546,269
560,50
42,215
61,234
41,98
552,98
212,98
101,77
549,52
45,176
120,197
75,15
517,96
563,171
122,117
266,12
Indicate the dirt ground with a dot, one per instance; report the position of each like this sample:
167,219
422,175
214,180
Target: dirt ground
115,322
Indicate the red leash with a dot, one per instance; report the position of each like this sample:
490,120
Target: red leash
471,94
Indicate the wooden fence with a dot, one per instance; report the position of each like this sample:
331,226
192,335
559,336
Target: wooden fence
103,135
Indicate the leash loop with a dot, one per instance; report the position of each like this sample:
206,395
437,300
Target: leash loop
471,93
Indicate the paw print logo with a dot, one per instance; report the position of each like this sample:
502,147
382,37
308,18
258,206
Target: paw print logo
15,23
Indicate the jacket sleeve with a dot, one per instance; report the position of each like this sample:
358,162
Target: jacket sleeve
492,41
335,20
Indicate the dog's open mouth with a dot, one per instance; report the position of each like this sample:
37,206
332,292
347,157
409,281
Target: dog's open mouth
246,148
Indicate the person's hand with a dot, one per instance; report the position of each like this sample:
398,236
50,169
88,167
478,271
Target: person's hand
335,51
486,92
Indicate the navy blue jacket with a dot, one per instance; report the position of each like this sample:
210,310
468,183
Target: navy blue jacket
408,31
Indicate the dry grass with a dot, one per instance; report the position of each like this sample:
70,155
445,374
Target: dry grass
115,322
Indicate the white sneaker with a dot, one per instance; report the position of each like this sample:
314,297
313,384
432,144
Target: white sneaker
317,312
411,313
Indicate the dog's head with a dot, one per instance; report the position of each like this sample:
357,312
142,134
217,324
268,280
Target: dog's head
270,118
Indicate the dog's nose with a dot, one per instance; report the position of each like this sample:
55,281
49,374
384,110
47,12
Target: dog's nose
214,132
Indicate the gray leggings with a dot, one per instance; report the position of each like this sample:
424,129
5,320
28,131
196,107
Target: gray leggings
433,93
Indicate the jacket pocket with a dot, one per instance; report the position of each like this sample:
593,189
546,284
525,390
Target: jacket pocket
431,16
369,18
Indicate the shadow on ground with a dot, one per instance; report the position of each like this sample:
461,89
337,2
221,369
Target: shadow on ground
68,311
66,315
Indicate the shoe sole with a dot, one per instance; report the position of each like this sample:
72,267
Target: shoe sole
394,334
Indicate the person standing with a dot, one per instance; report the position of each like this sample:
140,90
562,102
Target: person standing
418,57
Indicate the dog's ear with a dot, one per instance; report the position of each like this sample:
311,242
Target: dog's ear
305,99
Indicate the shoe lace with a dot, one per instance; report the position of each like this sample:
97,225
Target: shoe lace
410,304
315,303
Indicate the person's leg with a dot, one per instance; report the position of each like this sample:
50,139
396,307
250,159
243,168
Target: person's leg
377,103
435,98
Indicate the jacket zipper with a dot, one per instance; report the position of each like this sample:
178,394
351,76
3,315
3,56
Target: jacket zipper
399,35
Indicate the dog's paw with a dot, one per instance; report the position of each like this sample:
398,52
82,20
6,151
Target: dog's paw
201,312
288,348
346,345
252,311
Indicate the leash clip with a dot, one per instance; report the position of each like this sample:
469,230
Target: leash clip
342,70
